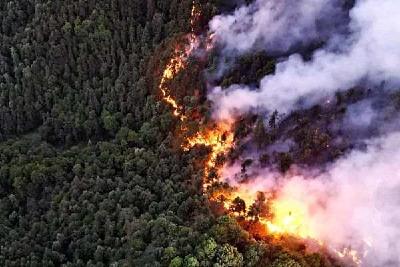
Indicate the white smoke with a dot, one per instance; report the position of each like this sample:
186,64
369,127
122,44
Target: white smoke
360,196
354,203
371,53
276,26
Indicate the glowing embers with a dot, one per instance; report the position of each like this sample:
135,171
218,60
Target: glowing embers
195,16
276,215
177,63
289,217
280,216
350,254
218,138
174,66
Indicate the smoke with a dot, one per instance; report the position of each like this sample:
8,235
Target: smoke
277,26
368,55
353,203
356,201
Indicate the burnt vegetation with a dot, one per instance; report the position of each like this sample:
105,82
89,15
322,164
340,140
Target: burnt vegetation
90,170
318,135
311,136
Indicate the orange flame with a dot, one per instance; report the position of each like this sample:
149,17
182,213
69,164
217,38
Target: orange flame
218,139
178,63
288,216
174,66
195,15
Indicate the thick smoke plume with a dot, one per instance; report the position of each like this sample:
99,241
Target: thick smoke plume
368,54
355,200
354,203
278,26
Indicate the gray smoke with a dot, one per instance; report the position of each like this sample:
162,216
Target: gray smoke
355,200
277,26
369,55
354,203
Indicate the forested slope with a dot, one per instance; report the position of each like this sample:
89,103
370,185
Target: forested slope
80,69
90,173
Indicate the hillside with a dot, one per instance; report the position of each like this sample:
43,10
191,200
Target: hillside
146,133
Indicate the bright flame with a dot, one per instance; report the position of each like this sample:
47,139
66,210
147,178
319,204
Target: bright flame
195,15
289,217
354,255
286,216
176,64
218,139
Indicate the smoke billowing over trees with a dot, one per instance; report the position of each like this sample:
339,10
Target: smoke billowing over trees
92,172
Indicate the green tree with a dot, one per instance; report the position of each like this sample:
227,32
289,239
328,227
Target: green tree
176,262
285,260
110,121
261,136
228,256
191,261
206,252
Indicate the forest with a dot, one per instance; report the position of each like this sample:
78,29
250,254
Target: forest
91,167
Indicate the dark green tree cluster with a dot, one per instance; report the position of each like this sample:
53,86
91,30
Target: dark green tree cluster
108,203
249,69
91,173
79,69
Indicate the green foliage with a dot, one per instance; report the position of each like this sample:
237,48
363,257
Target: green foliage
89,174
191,261
169,254
227,230
228,256
109,121
285,261
250,68
78,70
176,262
315,260
206,251
254,254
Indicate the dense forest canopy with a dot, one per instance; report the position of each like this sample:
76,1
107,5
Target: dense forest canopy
89,174
91,167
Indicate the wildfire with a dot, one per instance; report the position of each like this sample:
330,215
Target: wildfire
218,139
285,216
177,63
195,15
351,254
174,66
289,217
